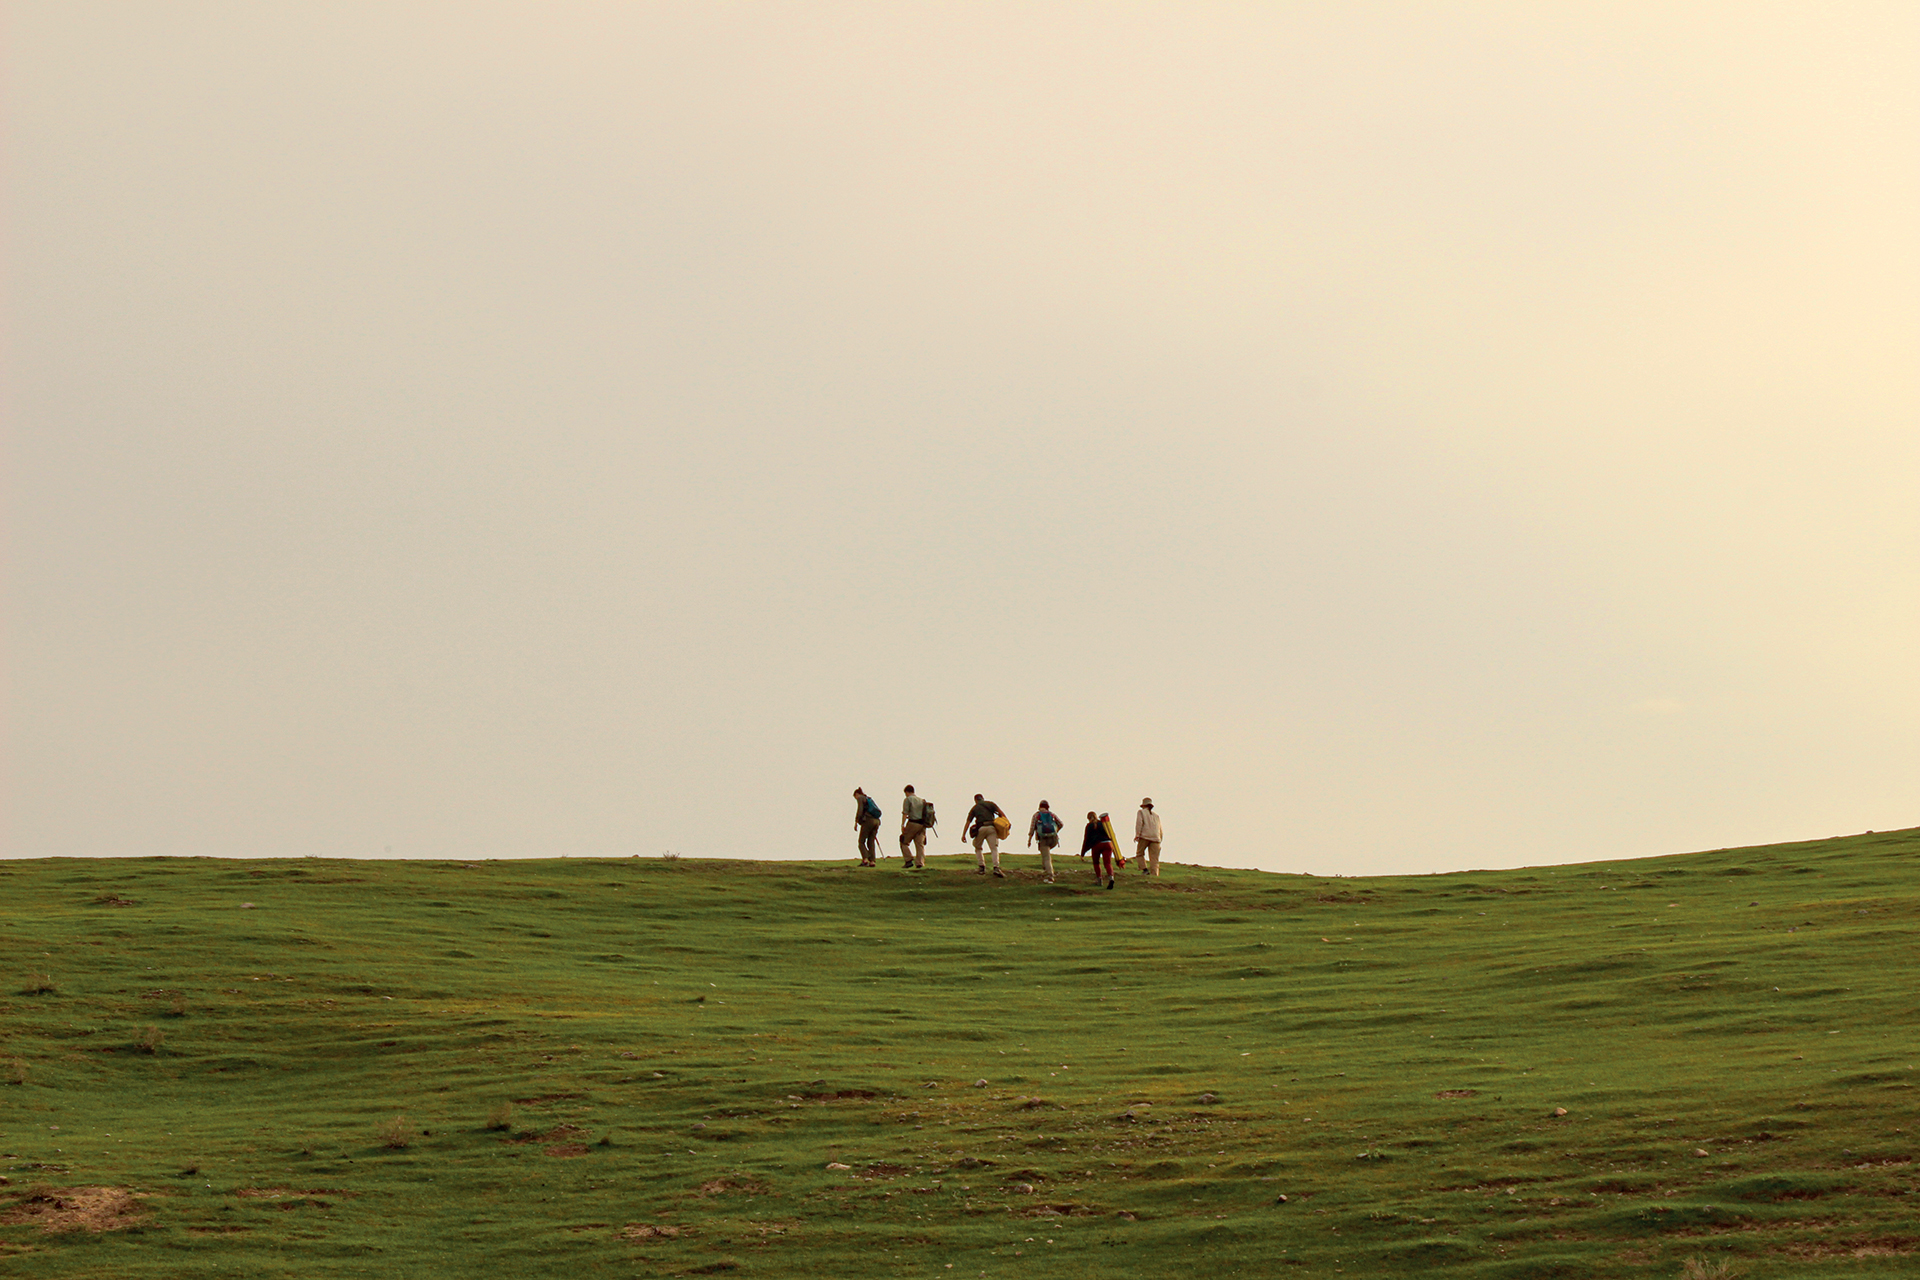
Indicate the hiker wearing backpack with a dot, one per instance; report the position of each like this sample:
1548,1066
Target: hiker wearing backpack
1045,826
1098,841
1146,838
986,824
916,815
866,821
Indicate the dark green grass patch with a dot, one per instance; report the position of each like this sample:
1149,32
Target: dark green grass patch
653,1067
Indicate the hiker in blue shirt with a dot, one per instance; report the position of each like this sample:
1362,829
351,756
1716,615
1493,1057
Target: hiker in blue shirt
866,821
1046,827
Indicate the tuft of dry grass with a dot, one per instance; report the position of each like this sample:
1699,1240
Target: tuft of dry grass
395,1134
39,984
501,1117
16,1072
150,1040
1699,1268
178,1009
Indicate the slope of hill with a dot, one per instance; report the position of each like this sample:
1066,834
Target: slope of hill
812,1069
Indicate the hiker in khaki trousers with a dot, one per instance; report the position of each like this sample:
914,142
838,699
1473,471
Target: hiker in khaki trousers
1146,838
1046,826
913,832
981,825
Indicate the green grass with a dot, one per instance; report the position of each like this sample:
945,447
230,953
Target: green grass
685,1047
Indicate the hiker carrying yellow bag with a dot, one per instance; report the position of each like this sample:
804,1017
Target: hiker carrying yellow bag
988,824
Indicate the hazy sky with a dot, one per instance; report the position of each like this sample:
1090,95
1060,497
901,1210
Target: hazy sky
1399,437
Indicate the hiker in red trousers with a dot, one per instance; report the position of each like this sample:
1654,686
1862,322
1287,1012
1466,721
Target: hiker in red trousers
1099,842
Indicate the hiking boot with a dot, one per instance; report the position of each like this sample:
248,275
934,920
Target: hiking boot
999,874
1110,884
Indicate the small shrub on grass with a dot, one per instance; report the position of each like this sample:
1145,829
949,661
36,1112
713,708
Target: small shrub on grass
501,1117
178,1009
395,1134
1698,1268
150,1040
16,1073
39,984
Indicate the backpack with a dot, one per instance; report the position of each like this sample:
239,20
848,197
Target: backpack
927,817
1046,823
870,809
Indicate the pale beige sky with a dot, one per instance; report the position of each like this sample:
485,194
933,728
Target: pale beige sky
1396,437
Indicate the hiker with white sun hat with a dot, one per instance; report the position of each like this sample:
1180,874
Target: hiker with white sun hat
1146,838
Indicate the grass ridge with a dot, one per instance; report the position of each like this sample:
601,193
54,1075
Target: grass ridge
645,1066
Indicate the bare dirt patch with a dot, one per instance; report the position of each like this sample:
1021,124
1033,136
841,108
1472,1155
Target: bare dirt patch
649,1231
1458,1093
560,1141
883,1170
75,1209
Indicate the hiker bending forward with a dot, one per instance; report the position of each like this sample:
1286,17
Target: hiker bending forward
983,824
1099,842
866,823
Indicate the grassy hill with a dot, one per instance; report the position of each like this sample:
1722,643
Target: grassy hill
651,1067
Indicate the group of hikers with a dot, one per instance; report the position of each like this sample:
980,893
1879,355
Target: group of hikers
987,824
